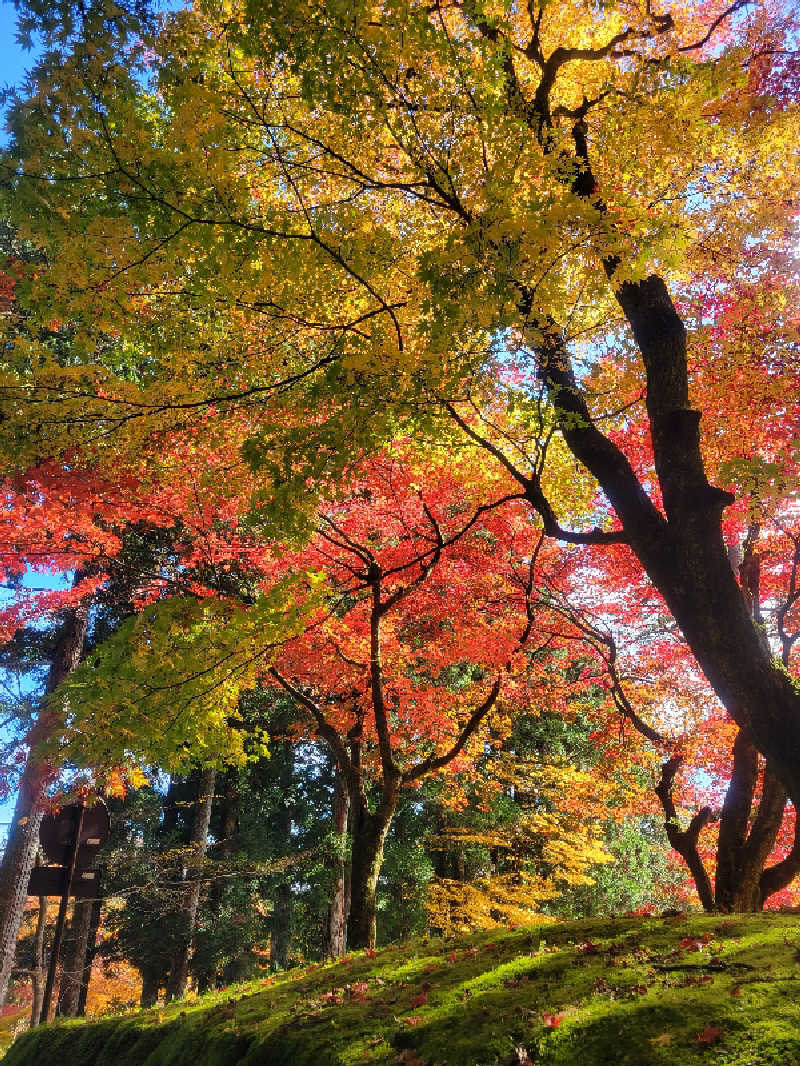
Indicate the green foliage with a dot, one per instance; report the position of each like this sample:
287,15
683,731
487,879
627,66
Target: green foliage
164,688
640,875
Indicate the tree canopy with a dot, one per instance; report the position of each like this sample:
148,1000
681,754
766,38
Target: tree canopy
438,347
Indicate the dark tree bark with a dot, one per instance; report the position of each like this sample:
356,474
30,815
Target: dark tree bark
280,933
76,951
368,839
224,821
681,548
685,841
39,974
23,837
187,915
151,985
743,882
742,848
89,957
76,945
745,839
334,938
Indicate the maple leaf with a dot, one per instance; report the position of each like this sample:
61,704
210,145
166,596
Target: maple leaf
710,1035
420,1000
690,943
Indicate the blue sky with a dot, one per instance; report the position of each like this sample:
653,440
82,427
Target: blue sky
14,61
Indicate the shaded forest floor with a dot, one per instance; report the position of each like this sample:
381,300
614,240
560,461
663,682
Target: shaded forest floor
632,992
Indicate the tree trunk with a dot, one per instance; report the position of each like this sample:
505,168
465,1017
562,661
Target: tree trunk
281,927
74,959
225,816
685,841
150,988
39,975
23,837
742,882
89,957
681,547
335,933
282,903
369,836
187,916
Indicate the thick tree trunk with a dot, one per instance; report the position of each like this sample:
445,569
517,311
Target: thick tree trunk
742,883
76,945
369,837
335,933
741,855
685,554
150,987
39,975
23,837
187,916
682,549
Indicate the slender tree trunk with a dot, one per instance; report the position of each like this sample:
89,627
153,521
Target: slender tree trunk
74,959
334,941
38,962
685,841
187,916
23,837
89,956
280,933
225,815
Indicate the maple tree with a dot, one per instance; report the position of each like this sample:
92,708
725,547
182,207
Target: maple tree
419,611
351,206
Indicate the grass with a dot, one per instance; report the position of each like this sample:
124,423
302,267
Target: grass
627,992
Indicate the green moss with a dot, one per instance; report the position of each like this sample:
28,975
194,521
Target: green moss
630,992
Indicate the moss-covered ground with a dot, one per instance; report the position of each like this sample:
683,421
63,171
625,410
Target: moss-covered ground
632,992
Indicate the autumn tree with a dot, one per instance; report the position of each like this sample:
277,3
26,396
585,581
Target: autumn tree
362,213
434,621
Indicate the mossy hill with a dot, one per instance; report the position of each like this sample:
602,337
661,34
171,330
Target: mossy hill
632,992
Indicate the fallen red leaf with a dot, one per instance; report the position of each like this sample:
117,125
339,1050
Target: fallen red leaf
552,1021
420,1000
710,1035
692,943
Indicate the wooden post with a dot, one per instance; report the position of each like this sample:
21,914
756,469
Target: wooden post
62,914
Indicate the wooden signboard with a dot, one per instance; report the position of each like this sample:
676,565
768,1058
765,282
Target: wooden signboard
70,839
